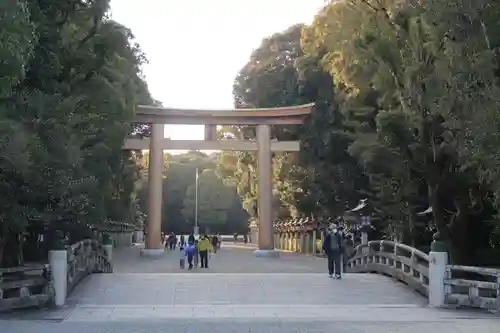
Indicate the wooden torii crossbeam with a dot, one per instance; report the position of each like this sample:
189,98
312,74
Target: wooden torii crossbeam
261,118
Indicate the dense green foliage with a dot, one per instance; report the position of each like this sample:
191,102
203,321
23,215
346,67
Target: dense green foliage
219,206
407,100
69,84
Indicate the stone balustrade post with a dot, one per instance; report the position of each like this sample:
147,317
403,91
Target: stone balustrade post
58,263
107,244
438,261
108,247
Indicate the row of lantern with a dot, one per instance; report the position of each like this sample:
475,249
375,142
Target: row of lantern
307,223
356,220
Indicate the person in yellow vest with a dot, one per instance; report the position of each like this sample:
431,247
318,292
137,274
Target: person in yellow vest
204,247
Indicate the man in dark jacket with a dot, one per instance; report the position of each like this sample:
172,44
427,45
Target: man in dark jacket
332,246
191,238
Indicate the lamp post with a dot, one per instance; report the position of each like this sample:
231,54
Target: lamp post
196,230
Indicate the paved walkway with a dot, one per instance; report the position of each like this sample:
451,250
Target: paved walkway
242,293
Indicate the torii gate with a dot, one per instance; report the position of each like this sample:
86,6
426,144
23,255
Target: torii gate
262,118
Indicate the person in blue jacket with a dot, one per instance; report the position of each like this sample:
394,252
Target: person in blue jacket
332,246
190,251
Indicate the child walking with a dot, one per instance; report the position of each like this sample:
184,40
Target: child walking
182,257
190,250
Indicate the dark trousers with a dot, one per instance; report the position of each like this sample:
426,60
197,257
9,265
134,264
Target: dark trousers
190,261
204,259
334,263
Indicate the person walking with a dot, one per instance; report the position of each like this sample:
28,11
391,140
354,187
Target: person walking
182,257
196,253
172,240
215,243
204,247
168,243
190,251
191,238
219,238
332,246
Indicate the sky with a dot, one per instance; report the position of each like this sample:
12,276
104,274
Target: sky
195,48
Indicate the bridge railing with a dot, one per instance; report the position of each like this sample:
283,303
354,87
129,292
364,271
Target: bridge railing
25,286
461,286
397,260
470,286
84,258
71,264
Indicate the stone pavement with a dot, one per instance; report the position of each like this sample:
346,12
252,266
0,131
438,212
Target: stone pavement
241,293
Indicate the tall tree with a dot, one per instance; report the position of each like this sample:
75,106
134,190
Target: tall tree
70,83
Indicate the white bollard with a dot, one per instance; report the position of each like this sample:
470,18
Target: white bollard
138,236
437,274
58,261
109,251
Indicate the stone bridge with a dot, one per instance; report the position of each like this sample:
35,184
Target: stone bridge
242,293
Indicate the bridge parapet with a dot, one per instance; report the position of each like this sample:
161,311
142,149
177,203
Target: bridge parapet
400,261
459,286
470,286
71,264
84,258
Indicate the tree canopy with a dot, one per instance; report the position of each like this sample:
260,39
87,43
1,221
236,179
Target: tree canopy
70,80
406,115
219,206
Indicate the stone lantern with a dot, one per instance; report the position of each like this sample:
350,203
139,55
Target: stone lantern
361,223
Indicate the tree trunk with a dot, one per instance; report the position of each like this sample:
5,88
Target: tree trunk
461,249
438,211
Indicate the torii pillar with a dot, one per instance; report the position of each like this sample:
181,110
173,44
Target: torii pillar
153,246
265,192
